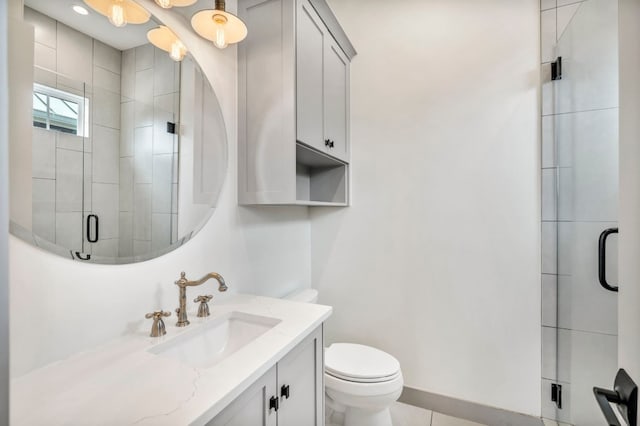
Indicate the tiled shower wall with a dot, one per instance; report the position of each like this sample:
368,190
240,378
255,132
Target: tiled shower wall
130,173
83,66
148,153
579,200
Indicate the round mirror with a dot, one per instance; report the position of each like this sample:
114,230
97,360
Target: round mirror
128,148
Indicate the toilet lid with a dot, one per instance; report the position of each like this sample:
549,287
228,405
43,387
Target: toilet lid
360,363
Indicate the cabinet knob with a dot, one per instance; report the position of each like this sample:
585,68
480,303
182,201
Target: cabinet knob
284,391
327,142
331,144
273,403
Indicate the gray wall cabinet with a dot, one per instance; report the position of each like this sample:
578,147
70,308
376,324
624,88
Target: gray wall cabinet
295,382
293,118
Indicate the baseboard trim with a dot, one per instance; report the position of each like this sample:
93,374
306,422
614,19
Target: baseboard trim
466,410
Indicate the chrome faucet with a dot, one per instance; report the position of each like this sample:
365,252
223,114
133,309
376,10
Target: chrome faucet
183,283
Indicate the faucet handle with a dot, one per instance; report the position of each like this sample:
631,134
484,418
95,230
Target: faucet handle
203,309
157,314
158,328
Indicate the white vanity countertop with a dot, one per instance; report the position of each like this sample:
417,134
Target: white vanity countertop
121,383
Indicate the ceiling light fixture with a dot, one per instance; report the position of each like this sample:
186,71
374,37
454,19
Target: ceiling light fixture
168,4
80,10
165,39
120,12
219,26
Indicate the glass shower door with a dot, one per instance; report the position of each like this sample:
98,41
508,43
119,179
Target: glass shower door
585,123
61,166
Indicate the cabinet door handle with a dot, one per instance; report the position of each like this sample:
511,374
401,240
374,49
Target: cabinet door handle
274,403
327,142
331,144
284,391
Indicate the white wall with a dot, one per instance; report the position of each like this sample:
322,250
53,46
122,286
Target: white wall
438,259
629,242
4,220
59,307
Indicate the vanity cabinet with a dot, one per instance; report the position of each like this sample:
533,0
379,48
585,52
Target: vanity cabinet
293,87
291,393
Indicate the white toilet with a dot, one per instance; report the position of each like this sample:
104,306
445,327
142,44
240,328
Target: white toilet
361,382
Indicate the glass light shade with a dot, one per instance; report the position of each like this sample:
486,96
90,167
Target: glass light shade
167,4
116,15
120,12
165,39
211,25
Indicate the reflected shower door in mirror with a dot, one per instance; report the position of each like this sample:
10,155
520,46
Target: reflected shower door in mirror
128,147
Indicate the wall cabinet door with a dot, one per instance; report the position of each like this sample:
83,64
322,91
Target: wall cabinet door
310,40
336,99
300,384
252,407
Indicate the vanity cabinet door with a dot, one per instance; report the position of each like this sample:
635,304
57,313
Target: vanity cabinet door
311,36
300,384
252,407
336,99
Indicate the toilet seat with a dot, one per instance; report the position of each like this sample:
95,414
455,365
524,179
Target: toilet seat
360,389
361,380
360,364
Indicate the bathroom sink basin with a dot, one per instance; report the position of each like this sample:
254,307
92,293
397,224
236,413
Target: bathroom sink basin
207,345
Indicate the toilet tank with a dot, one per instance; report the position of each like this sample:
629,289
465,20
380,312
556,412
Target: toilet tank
308,295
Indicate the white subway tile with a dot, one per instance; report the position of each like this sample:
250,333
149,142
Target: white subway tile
162,185
143,155
127,128
74,54
44,56
582,303
69,230
44,208
69,174
43,153
144,57
548,142
44,27
142,212
548,35
105,205
125,241
106,158
549,194
106,108
547,4
126,184
549,353
107,57
128,75
549,300
106,79
160,231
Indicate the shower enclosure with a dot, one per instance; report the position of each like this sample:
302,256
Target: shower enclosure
580,212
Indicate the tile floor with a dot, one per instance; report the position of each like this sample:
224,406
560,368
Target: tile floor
548,422
408,415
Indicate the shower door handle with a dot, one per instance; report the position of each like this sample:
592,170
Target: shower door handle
97,229
602,258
